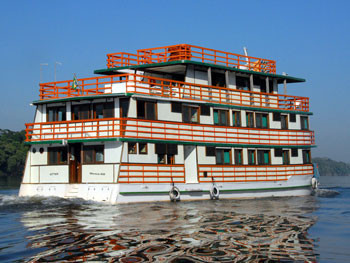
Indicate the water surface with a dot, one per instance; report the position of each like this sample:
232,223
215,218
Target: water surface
297,229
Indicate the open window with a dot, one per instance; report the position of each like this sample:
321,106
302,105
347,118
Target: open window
221,117
166,153
218,79
242,83
284,121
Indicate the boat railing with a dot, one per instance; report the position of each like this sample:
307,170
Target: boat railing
193,53
164,131
147,85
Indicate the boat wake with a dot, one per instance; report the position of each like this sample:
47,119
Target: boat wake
326,193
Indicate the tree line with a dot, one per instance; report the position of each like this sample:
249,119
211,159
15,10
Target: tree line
13,152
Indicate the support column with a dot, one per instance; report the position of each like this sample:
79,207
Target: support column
285,87
210,83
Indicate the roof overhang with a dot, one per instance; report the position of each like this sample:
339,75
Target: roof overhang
179,67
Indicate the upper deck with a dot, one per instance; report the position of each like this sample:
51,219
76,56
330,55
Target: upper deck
190,53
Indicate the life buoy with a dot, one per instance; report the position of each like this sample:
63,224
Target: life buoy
174,194
214,192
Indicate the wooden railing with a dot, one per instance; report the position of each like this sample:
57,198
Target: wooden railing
193,53
164,130
151,173
139,84
251,173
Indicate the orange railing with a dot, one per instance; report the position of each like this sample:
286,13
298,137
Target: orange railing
193,53
151,173
140,84
164,130
251,173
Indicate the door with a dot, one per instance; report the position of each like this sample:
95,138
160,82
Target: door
75,163
124,108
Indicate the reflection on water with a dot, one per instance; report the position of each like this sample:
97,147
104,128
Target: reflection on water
262,230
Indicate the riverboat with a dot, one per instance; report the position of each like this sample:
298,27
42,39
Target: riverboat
180,122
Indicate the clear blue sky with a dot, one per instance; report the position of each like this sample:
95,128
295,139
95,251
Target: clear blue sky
308,39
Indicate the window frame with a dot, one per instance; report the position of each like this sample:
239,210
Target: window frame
227,116
145,110
139,148
94,151
248,114
51,150
249,158
222,151
197,108
258,154
302,122
55,113
236,114
236,156
259,115
132,146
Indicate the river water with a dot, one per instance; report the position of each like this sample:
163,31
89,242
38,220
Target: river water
294,229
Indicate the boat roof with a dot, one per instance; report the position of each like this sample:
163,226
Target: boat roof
179,67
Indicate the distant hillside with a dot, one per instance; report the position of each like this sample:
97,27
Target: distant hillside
12,152
329,167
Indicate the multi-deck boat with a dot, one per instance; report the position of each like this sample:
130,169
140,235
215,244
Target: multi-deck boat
179,122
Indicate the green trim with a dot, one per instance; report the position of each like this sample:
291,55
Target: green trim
216,144
175,142
228,190
110,71
225,105
129,94
77,98
72,141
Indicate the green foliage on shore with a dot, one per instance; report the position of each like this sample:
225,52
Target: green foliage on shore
12,152
330,167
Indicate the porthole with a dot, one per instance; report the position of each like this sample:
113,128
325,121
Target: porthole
34,150
41,150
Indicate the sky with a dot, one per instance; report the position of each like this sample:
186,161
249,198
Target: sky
308,39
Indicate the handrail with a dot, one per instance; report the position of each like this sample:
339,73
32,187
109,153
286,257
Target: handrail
193,53
140,84
165,131
251,173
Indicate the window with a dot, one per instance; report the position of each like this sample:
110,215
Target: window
306,156
81,112
223,156
176,107
292,117
166,153
242,83
263,157
278,153
205,110
262,120
221,117
250,119
57,155
295,152
142,148
132,148
285,155
210,151
261,82
56,114
93,154
238,157
146,110
251,157
124,107
103,110
276,116
284,122
218,79
190,114
304,122
236,118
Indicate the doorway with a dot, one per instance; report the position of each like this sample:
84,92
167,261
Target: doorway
75,163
